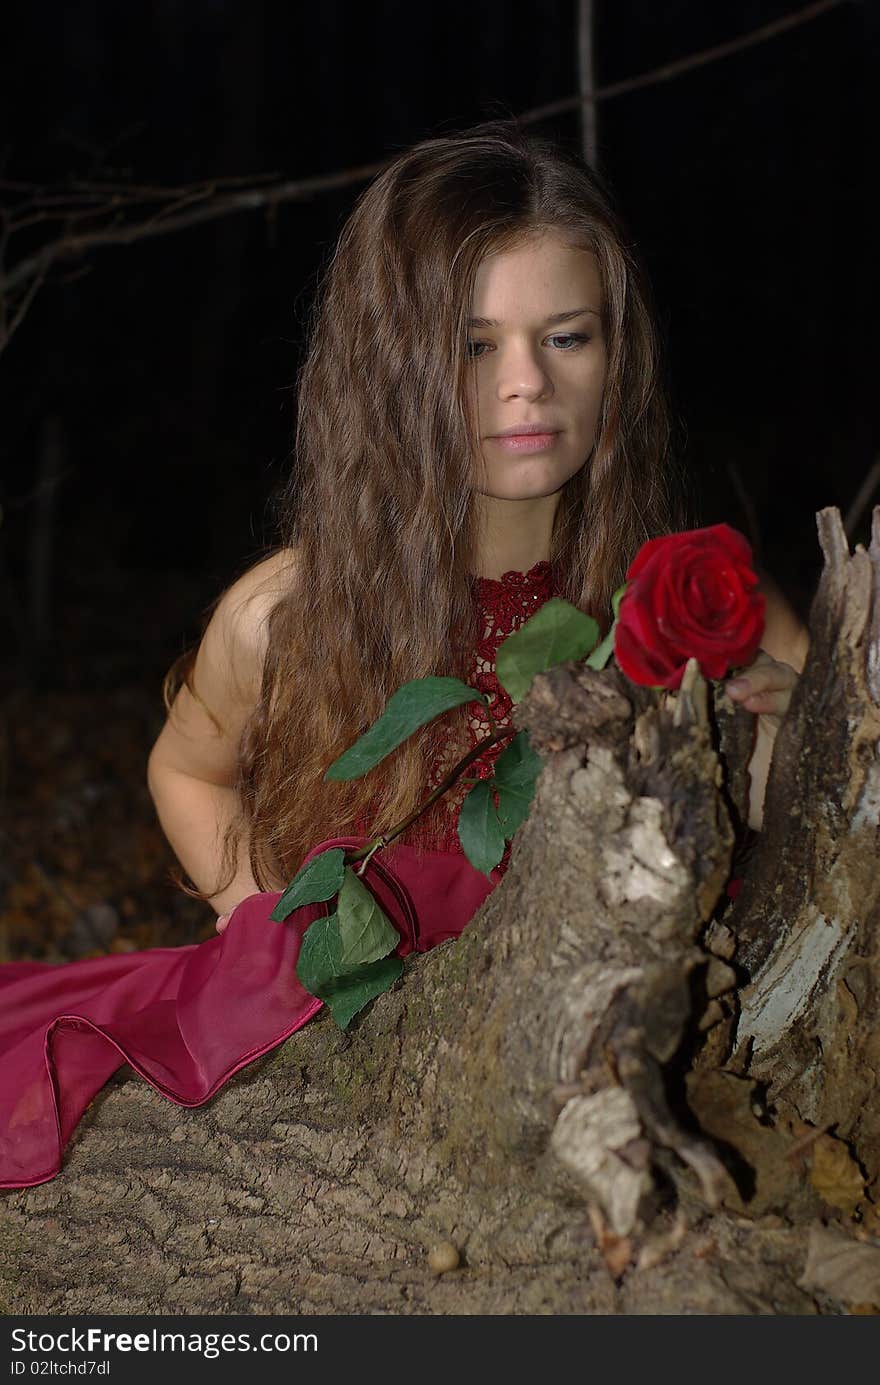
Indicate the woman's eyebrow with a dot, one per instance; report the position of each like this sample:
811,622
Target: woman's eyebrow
548,321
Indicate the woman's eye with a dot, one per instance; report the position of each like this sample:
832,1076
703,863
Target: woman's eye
563,341
569,340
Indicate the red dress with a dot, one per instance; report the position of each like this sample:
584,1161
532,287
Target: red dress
187,1018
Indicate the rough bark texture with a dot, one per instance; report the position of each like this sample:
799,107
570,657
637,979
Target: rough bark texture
608,1098
808,918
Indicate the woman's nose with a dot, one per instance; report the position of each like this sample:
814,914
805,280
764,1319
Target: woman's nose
522,375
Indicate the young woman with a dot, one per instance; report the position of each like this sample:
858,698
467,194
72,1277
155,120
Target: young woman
481,426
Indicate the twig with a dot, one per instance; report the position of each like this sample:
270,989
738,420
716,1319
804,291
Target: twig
675,69
8,332
468,759
862,499
587,82
238,202
803,1144
18,502
252,197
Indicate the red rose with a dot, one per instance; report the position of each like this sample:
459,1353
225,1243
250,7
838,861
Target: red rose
689,595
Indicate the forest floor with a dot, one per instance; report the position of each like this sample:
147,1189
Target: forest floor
84,866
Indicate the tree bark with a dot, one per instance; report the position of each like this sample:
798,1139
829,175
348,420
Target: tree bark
611,1094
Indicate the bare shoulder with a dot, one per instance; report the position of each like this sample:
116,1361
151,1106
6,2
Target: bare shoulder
249,602
202,731
785,636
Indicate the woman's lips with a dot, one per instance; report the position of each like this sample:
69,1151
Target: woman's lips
526,442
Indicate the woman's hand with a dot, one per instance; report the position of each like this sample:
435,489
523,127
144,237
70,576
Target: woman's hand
765,688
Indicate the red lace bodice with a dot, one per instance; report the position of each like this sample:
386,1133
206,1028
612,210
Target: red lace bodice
505,604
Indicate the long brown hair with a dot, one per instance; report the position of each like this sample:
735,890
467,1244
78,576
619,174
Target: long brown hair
380,507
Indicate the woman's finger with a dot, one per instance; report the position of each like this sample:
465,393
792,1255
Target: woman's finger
770,702
764,688
222,922
761,678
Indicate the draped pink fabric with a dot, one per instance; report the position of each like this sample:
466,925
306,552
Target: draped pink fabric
188,1018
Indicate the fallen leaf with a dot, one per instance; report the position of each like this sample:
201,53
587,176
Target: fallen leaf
835,1175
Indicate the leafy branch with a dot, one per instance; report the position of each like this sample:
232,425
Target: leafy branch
344,958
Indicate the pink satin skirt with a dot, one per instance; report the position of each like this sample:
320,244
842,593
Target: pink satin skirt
187,1018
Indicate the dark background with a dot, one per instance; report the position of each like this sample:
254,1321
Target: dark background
156,379
167,367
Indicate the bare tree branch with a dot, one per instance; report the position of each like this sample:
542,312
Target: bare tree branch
587,81
675,69
33,288
108,203
248,199
861,500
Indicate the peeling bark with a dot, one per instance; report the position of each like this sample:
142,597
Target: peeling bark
808,918
602,1095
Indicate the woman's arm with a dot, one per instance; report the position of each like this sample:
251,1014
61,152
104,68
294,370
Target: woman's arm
194,816
192,767
765,687
786,638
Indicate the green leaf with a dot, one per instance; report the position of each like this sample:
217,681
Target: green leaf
412,706
479,830
320,879
320,954
516,773
602,653
345,990
345,998
553,635
365,932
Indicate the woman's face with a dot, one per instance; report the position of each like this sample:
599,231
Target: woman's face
538,358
